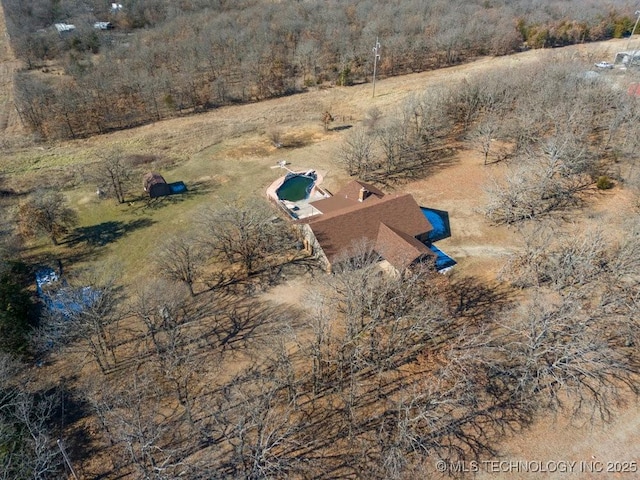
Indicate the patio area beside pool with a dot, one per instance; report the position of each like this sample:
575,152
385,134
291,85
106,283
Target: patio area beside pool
289,199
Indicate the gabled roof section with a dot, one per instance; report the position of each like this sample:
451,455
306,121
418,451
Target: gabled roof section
348,196
152,178
398,248
341,229
332,204
352,190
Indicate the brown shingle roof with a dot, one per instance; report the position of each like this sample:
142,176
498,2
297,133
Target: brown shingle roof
340,230
352,189
336,203
347,196
398,248
151,178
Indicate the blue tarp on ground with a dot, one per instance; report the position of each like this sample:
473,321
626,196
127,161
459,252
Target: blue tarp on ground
67,301
61,298
45,276
439,220
177,187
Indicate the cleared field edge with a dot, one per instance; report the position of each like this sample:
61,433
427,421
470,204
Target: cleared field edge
9,120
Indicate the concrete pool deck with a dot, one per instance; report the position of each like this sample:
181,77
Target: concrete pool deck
301,208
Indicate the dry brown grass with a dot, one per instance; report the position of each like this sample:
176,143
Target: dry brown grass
227,153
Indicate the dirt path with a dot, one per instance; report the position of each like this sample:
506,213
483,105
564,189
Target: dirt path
9,121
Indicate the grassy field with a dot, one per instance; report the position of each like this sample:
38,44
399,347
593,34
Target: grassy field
128,234
225,155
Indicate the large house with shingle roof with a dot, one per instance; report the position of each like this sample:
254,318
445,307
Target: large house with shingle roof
392,224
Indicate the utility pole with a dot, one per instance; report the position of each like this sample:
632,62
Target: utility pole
634,28
637,13
376,57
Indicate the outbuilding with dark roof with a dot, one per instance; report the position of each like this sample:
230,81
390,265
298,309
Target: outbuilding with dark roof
155,185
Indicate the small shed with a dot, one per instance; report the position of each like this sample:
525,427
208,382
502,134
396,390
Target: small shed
628,57
63,28
103,26
155,185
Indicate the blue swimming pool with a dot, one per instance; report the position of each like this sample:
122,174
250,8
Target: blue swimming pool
443,261
439,221
296,187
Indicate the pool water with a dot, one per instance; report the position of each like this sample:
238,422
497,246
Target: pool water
441,229
295,188
443,261
439,221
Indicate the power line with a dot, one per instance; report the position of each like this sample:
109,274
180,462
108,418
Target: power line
629,42
634,28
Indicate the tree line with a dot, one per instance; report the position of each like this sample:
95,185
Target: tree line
226,52
562,130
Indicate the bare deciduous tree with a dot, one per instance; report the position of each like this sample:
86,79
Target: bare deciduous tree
144,428
245,233
553,353
575,262
372,118
28,448
484,137
535,187
357,153
264,428
113,175
46,213
181,258
85,316
165,310
327,118
275,136
569,344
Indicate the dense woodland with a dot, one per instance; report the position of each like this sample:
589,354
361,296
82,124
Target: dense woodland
194,375
167,58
